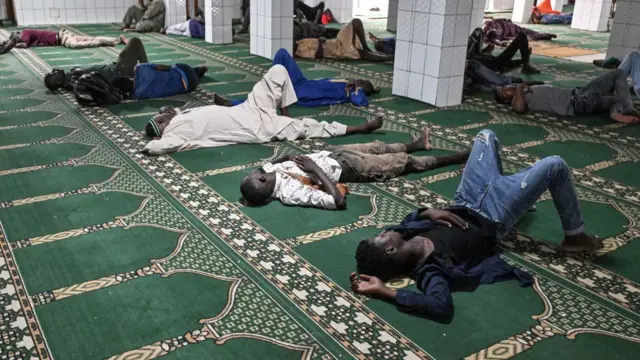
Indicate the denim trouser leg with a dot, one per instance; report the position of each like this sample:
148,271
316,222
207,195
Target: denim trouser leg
505,199
631,66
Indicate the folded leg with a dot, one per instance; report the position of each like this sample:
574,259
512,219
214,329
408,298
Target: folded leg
130,56
273,91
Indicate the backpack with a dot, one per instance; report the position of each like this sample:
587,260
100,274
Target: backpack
93,89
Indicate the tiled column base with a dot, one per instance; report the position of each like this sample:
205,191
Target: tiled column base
521,11
392,17
592,15
625,33
217,16
271,27
431,50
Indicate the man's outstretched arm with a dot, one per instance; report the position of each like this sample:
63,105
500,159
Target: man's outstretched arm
435,303
519,103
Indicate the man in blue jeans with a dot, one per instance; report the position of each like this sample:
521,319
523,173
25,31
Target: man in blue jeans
631,66
454,248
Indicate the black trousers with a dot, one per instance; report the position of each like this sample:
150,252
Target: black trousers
130,56
504,61
308,11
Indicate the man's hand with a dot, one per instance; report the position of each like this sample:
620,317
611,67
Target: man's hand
445,218
625,119
305,164
371,286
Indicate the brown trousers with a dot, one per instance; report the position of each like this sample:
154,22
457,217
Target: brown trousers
377,161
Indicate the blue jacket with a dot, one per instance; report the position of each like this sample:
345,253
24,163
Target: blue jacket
436,278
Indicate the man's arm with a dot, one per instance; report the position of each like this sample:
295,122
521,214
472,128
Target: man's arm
153,9
22,45
519,103
435,303
161,67
284,111
307,165
282,159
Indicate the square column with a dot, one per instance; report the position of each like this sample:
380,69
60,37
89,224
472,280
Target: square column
625,33
392,16
271,27
237,11
477,14
341,9
521,11
217,17
175,12
592,15
431,49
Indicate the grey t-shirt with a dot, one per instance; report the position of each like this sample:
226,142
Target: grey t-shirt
550,98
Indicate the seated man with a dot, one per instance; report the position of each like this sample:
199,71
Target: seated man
454,248
149,18
312,93
608,92
631,67
125,65
254,121
503,62
158,81
311,180
500,31
32,37
350,43
191,28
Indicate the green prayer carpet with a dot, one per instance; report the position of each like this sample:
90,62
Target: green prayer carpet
107,253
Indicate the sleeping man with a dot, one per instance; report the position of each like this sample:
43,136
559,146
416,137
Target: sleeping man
312,93
454,248
254,121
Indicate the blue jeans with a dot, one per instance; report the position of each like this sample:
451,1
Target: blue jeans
506,199
631,66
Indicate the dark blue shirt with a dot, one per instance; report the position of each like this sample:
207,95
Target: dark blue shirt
440,274
149,82
389,45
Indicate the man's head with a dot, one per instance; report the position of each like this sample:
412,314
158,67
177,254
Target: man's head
54,80
389,256
257,187
155,127
367,87
504,94
200,71
16,35
379,45
491,34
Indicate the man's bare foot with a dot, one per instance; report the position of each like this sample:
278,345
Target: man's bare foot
220,101
625,119
373,37
581,242
423,143
374,124
123,39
